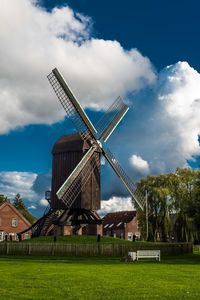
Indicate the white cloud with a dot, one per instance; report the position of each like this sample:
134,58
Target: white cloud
103,161
165,124
34,41
12,183
115,204
179,92
24,183
32,207
44,202
139,164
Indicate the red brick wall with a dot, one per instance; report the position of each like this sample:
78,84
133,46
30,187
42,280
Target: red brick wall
94,229
6,216
132,227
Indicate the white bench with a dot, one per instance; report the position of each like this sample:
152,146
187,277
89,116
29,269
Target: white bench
148,254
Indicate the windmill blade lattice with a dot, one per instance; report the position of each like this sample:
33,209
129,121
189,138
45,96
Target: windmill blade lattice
138,197
75,172
71,105
72,191
73,185
111,118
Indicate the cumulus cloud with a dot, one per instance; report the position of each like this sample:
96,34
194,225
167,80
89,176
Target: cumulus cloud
28,185
12,183
165,124
33,41
179,92
115,204
139,164
32,207
42,183
44,202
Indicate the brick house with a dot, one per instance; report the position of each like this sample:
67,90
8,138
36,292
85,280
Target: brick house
12,222
121,224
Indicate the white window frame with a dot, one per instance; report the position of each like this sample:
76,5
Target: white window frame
130,236
27,235
14,222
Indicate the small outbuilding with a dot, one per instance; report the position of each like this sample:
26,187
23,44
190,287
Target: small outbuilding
123,224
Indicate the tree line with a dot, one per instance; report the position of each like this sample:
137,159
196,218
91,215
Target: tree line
173,206
18,203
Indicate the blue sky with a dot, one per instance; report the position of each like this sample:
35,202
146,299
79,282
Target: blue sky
145,51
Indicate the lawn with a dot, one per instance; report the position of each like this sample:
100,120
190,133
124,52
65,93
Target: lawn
82,239
99,278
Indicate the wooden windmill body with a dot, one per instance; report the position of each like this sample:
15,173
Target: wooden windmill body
67,153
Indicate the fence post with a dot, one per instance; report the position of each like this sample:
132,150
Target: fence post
29,248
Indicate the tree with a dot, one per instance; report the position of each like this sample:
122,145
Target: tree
194,208
174,193
27,216
19,205
2,199
158,208
183,200
18,202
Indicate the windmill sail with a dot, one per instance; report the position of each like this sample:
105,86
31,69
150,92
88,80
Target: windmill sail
71,105
71,188
138,197
111,119
73,185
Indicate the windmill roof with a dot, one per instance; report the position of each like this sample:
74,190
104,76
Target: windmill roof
117,220
70,142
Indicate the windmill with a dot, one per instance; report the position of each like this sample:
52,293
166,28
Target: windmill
65,193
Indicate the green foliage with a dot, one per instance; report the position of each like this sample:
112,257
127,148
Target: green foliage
19,205
18,202
174,193
27,215
2,199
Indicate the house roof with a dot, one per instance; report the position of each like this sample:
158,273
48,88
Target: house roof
8,203
117,220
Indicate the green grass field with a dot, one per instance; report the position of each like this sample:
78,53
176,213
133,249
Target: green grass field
76,239
99,278
81,239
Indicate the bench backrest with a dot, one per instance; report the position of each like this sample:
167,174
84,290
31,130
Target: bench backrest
148,252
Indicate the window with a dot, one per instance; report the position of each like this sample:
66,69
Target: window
130,236
14,222
114,235
121,235
1,235
26,236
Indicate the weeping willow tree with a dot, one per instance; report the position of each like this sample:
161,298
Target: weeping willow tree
176,194
158,209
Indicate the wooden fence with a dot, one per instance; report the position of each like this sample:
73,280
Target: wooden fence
117,250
